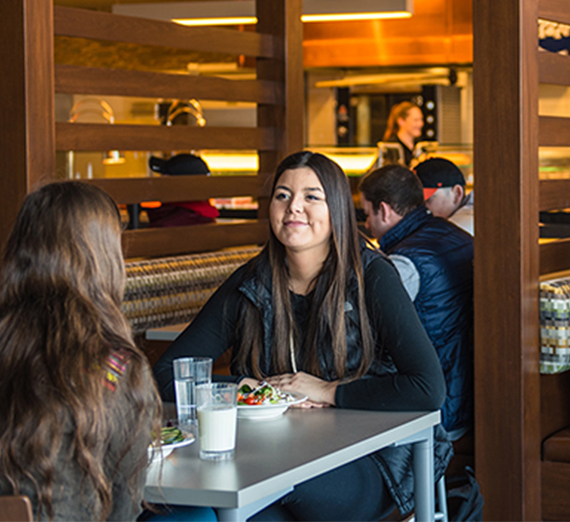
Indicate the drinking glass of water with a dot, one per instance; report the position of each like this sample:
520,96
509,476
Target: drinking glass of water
189,372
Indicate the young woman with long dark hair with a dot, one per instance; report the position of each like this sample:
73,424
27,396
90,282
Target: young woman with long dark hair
78,399
319,313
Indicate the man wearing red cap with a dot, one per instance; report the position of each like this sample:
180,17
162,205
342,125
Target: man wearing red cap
444,192
435,260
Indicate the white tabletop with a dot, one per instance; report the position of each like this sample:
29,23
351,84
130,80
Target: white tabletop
274,455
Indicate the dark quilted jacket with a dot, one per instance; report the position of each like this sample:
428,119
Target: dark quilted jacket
443,256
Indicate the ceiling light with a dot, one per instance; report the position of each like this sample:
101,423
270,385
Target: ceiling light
243,12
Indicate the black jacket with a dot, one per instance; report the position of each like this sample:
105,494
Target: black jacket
405,375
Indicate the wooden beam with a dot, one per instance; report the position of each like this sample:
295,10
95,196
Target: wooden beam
281,18
507,386
101,137
27,115
554,10
554,194
553,68
554,131
180,188
153,242
98,25
72,79
554,256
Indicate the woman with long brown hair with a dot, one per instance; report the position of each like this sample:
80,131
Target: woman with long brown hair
319,313
78,399
405,124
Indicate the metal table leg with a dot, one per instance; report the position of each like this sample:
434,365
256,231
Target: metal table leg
424,493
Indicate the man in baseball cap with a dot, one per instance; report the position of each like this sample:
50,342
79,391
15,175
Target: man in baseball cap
444,192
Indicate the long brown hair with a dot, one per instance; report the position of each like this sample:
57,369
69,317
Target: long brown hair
327,315
401,110
61,286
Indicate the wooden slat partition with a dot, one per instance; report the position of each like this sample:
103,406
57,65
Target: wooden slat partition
554,10
554,131
203,238
92,136
97,25
181,188
72,79
555,257
27,115
277,91
510,396
554,194
507,385
553,68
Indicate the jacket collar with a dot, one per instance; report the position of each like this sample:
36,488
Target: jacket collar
408,225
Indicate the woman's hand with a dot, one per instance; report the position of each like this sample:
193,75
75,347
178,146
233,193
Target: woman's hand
250,381
320,392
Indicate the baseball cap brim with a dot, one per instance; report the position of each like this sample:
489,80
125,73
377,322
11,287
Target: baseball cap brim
429,192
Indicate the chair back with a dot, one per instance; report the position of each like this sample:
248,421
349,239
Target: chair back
15,508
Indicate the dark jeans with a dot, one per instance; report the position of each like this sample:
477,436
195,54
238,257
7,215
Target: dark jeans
355,491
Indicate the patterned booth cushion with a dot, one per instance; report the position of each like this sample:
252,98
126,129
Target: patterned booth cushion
172,290
555,325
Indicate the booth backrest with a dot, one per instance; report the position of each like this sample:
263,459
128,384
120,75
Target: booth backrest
172,290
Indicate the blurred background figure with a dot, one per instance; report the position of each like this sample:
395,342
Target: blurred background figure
181,213
405,125
444,192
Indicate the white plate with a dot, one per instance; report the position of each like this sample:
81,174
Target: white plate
268,411
167,449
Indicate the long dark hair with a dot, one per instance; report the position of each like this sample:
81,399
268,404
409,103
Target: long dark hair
401,110
327,315
61,286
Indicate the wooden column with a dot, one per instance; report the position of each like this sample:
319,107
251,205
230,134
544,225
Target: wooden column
507,395
281,18
26,93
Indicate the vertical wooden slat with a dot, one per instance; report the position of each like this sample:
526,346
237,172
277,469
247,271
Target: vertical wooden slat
507,398
282,19
26,90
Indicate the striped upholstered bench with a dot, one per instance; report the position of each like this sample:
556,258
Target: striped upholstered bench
171,290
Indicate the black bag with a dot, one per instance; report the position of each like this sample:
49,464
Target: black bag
464,498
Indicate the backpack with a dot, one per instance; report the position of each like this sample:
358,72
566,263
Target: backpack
464,498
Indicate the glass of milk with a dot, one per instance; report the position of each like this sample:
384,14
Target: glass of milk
188,373
217,420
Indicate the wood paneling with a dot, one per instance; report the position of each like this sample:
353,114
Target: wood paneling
554,10
157,242
105,26
553,68
115,82
554,256
554,131
554,194
507,394
554,400
27,115
281,17
88,136
556,484
181,188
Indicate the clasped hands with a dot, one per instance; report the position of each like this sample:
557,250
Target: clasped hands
320,393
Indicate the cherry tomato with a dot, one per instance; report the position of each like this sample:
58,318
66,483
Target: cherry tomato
251,400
